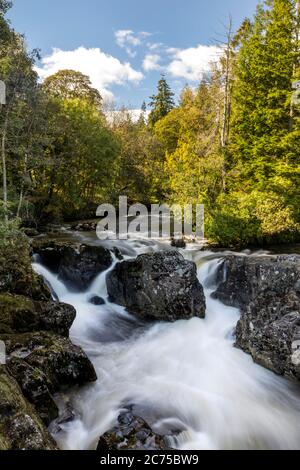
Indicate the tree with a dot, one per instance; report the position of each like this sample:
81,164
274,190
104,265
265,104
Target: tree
191,133
227,80
263,148
5,32
5,5
16,120
69,84
80,158
143,116
262,91
162,102
140,164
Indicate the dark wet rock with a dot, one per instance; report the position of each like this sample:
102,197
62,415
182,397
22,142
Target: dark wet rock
20,426
50,228
266,289
118,254
35,387
178,243
97,300
131,433
31,232
43,364
242,278
64,364
51,252
19,314
85,227
80,269
162,286
66,415
76,265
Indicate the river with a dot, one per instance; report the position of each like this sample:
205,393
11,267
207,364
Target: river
186,375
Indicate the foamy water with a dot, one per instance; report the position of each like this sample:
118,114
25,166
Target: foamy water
185,375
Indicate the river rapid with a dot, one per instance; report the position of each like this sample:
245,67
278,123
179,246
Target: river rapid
185,376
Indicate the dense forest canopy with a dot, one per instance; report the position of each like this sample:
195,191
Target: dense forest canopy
233,143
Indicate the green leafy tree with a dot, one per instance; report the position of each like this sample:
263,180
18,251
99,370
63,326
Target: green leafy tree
264,134
80,160
140,164
70,84
18,117
262,91
191,134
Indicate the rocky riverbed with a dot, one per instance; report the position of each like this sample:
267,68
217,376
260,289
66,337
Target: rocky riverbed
129,296
40,358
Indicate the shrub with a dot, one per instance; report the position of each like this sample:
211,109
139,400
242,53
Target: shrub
242,219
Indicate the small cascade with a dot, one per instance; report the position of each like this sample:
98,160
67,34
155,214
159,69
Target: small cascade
186,375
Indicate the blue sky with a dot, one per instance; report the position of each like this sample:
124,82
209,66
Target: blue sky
124,45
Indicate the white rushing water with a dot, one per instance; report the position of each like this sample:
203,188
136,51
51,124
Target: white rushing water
186,375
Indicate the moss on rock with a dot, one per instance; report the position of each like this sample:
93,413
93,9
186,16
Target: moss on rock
16,274
19,314
20,426
64,364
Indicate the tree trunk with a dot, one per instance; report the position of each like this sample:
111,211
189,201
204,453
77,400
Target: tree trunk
296,62
4,169
226,103
22,187
20,201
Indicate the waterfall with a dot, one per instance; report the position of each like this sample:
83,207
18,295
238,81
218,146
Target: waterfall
186,375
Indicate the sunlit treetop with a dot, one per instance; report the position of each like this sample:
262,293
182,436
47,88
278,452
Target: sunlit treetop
70,84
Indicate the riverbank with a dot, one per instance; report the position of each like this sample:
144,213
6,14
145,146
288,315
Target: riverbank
40,359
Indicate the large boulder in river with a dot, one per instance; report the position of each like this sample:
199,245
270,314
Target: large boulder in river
267,290
76,265
162,286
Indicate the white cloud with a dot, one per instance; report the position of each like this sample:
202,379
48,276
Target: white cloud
194,62
103,70
129,40
153,46
151,62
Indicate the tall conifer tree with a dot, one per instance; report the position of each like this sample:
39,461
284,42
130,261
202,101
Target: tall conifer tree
161,103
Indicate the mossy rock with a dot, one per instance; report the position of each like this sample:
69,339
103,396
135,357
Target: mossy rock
16,274
35,387
64,364
20,426
19,314
131,433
